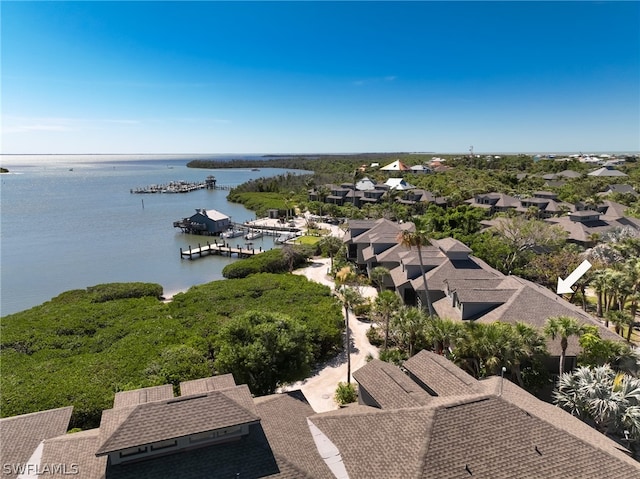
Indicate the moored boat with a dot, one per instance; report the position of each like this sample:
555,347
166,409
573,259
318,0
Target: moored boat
232,233
255,234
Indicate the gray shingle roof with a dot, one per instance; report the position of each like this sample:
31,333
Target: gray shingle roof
21,435
472,268
249,457
451,245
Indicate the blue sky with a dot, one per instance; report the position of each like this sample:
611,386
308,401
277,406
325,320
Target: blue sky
304,77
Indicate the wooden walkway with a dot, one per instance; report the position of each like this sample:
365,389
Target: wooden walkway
218,249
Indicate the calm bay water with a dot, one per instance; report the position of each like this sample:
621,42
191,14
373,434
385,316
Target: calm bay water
71,222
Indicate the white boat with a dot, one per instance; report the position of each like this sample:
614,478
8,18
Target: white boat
255,234
283,238
232,233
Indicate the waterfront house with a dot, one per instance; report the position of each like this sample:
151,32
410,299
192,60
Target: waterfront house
206,222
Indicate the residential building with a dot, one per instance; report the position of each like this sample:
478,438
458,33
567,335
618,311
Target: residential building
427,420
460,286
207,222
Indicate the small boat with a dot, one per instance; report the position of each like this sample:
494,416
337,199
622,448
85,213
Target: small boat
255,234
255,169
232,233
283,238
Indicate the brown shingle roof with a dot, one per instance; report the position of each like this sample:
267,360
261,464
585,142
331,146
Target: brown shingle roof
496,439
378,443
77,452
21,435
284,420
205,385
162,420
451,245
143,395
439,374
492,429
382,229
388,386
472,268
249,457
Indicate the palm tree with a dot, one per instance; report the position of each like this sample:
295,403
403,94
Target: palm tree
562,327
632,271
620,319
419,238
530,345
599,284
377,275
409,324
350,298
385,304
330,245
610,400
443,334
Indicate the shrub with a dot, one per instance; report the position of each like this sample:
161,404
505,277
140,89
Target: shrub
272,261
345,393
374,336
394,356
112,291
362,310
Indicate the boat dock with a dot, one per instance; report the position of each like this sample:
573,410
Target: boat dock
181,187
224,249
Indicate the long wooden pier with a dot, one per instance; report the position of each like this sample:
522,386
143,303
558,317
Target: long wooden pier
223,249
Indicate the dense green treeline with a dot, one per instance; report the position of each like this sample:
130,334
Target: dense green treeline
75,351
465,177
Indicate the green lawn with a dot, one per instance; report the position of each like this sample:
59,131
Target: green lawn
310,240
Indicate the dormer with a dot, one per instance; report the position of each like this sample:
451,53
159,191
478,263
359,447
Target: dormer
478,301
584,216
548,195
453,249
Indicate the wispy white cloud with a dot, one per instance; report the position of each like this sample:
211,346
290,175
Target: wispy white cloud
15,124
370,81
